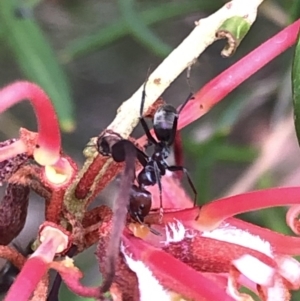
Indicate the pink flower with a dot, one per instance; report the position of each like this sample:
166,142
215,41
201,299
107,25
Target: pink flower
204,254
201,253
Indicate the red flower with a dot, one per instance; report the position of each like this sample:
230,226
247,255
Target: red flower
204,254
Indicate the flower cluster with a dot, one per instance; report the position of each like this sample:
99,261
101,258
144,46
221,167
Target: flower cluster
201,253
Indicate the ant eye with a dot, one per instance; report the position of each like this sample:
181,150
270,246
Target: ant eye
142,206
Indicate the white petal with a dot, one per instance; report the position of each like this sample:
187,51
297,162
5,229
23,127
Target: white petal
278,292
149,287
255,270
175,232
289,268
234,293
228,233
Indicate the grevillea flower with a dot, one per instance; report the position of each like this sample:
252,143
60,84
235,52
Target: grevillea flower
204,253
201,253
49,180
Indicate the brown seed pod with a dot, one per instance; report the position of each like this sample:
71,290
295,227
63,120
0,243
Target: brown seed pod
13,212
8,167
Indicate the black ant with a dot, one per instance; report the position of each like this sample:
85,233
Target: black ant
154,167
165,126
136,197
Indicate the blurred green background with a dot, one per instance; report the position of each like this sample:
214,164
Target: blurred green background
92,55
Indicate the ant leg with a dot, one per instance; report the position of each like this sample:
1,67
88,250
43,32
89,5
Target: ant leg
181,168
158,179
142,119
174,127
185,102
141,156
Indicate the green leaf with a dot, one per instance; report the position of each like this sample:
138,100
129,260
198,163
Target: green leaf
294,11
296,88
31,3
227,152
36,58
118,29
140,31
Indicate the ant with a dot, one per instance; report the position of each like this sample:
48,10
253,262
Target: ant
136,197
165,121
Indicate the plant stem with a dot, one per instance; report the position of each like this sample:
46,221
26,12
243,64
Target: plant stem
218,88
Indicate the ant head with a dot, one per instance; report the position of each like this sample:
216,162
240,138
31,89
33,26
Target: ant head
105,142
140,203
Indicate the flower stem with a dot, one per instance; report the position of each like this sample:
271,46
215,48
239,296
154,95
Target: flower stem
212,214
27,280
52,241
218,88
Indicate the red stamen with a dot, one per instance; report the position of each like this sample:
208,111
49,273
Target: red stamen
223,84
212,214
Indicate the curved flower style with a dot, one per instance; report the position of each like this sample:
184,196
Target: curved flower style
44,146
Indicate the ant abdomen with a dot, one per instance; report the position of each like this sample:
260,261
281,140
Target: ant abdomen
163,122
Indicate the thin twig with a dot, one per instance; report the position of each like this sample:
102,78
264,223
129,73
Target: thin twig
181,58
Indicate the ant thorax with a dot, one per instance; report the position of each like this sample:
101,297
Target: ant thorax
161,152
163,122
147,176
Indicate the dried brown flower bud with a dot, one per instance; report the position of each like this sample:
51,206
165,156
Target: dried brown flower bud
8,167
13,212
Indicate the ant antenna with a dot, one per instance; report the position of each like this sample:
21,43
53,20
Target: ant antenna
188,77
53,294
143,98
185,102
144,92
